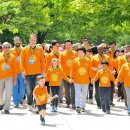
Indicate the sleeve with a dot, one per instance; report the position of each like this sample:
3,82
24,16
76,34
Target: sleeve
112,78
22,61
120,75
15,71
97,76
42,60
63,75
90,71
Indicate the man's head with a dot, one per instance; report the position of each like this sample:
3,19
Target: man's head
68,45
100,49
17,41
55,45
32,40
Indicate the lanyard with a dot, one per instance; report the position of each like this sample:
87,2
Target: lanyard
32,50
6,58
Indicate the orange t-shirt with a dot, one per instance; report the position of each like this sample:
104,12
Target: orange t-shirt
124,74
17,53
122,60
82,70
54,76
32,60
41,94
7,66
66,59
104,78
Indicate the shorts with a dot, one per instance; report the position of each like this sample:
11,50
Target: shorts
41,107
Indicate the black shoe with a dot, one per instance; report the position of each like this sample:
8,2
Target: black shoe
78,110
21,102
98,107
42,120
6,112
108,112
1,107
83,110
112,104
73,107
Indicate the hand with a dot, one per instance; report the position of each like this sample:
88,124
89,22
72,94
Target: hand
116,84
70,80
23,74
14,81
94,69
92,81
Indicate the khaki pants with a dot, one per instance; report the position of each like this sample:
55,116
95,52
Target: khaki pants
6,86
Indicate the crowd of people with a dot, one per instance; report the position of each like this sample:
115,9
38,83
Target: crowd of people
36,72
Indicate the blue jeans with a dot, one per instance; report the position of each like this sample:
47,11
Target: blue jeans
80,95
18,90
55,91
31,82
105,98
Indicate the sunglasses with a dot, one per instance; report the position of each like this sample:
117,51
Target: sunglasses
6,47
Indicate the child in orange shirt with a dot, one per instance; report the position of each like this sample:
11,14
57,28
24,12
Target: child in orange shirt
40,94
105,76
54,76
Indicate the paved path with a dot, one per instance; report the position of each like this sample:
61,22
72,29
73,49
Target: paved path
67,119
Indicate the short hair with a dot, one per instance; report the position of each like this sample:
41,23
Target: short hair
54,42
69,41
32,34
127,55
40,77
6,43
104,62
81,49
112,42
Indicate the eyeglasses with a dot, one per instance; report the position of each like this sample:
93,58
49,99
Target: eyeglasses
6,47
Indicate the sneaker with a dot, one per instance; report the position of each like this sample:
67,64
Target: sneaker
112,104
90,101
1,107
68,106
98,107
55,109
6,112
30,107
83,110
108,112
16,106
42,119
52,109
128,110
78,110
73,107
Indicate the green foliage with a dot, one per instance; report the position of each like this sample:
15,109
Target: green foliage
65,19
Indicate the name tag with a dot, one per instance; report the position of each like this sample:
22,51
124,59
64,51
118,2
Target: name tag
18,59
31,61
6,67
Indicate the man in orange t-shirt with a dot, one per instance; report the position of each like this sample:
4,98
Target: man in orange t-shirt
66,59
19,88
32,64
